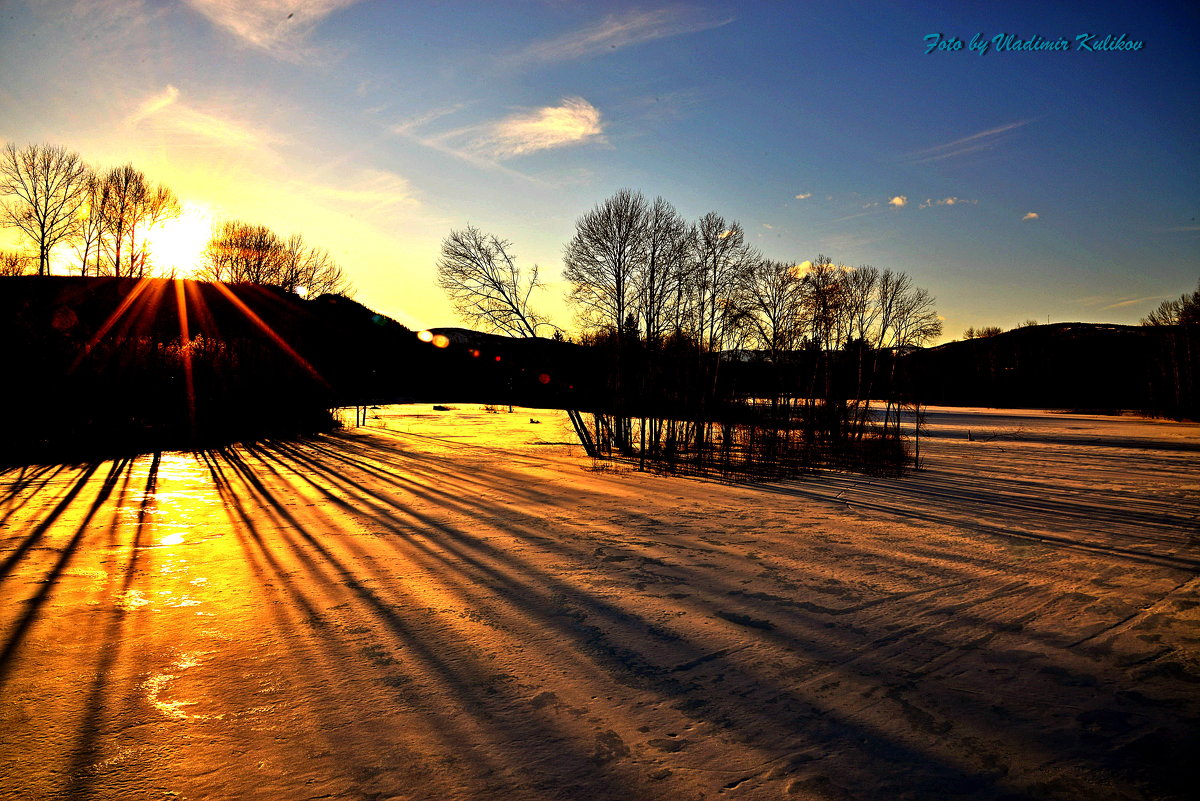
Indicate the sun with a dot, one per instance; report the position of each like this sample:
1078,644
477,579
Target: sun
176,246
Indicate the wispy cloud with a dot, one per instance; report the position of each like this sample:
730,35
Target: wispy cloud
277,26
412,124
616,32
859,214
486,144
167,113
369,191
573,122
899,201
1031,215
804,196
982,140
1129,302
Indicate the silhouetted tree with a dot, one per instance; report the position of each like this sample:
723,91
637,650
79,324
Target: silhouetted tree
658,278
45,187
773,295
1184,310
240,252
129,204
87,239
602,260
310,271
484,284
14,263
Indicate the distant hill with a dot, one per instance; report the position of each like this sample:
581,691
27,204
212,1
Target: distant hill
107,365
1094,366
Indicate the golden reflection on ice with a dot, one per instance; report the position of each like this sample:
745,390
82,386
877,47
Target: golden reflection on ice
157,686
131,600
172,539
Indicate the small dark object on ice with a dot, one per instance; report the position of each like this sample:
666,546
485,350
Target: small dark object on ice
534,421
441,408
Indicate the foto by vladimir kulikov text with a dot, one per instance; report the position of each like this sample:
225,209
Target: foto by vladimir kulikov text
1011,42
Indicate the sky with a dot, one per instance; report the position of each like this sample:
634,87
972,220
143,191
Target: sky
1055,185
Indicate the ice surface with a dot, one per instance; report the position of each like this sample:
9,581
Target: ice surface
454,605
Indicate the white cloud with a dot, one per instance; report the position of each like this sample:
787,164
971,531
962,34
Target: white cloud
166,113
946,201
768,226
616,32
899,201
1033,215
572,122
278,26
804,196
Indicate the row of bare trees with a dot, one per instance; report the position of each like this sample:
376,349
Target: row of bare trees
240,252
672,303
53,197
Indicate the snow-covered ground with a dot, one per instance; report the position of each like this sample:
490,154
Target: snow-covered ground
458,604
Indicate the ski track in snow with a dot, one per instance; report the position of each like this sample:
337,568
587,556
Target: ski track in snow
459,605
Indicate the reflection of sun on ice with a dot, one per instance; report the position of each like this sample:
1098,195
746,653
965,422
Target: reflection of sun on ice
178,245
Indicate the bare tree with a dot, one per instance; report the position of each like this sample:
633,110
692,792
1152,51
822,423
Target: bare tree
14,263
484,284
240,252
603,258
773,296
87,240
46,186
129,205
826,285
658,278
1184,310
721,262
310,271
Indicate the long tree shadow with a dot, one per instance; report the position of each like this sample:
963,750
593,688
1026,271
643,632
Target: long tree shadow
32,606
542,649
623,645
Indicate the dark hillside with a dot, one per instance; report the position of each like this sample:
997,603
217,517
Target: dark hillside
1064,366
99,366
104,365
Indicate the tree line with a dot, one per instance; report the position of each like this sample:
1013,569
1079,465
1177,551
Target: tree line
673,302
54,198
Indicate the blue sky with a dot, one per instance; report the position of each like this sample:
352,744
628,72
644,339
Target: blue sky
1013,185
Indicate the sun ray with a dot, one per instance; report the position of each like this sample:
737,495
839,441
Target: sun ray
113,319
185,352
250,315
